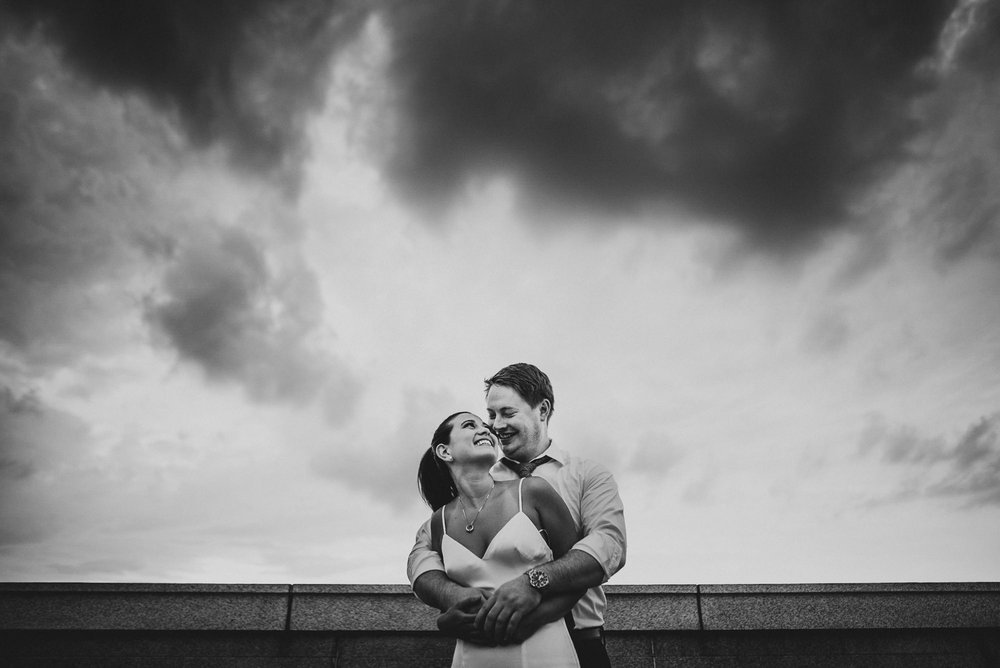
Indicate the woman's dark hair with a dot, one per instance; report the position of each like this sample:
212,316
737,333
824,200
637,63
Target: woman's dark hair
434,480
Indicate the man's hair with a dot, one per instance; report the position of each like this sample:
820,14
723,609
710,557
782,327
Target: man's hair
527,380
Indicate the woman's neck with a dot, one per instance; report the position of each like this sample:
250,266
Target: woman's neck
473,483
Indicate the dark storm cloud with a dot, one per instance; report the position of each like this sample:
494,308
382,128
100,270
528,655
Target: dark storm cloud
241,71
224,308
73,162
966,468
771,115
92,222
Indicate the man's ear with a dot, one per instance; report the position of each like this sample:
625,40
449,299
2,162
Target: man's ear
442,452
544,410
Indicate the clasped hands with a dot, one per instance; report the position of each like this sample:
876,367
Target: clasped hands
500,619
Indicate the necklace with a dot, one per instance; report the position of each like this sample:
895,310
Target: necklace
470,526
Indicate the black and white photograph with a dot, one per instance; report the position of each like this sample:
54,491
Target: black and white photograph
291,291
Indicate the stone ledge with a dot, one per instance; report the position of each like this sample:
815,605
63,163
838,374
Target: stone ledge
652,607
152,607
394,609
359,608
850,606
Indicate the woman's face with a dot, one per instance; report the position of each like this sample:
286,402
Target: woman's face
471,439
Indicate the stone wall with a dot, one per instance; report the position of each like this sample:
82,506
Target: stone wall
49,624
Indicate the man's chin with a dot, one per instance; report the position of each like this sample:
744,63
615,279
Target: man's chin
509,450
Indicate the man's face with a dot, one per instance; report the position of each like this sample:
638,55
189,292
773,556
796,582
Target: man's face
518,425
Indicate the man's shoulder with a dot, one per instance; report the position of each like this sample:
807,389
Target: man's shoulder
584,468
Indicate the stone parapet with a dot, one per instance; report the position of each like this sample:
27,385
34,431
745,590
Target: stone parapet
915,624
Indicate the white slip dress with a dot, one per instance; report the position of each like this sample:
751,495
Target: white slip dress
517,547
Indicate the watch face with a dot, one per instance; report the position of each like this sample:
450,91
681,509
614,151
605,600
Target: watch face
538,579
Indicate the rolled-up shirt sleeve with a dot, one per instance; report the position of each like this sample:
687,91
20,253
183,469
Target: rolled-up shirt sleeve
602,516
423,557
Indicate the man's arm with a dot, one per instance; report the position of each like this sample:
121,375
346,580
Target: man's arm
574,571
552,608
515,600
602,516
591,561
436,590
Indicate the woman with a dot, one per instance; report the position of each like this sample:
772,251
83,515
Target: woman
489,532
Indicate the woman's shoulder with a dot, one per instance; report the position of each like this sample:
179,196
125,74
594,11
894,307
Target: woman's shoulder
536,487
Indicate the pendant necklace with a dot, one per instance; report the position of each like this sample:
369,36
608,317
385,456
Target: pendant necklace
470,526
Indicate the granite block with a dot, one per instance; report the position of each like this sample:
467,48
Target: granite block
143,643
144,607
758,607
676,643
393,662
633,662
171,662
911,641
652,608
630,646
401,650
697,662
359,608
792,661
803,643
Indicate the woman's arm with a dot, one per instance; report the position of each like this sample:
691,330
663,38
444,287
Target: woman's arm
553,515
429,582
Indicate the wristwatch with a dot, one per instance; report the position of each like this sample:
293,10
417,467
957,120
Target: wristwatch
538,579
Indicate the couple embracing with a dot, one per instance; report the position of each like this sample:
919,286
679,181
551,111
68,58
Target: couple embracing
517,548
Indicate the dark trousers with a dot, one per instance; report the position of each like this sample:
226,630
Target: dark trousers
591,651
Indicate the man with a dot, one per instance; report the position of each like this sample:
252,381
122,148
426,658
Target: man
519,405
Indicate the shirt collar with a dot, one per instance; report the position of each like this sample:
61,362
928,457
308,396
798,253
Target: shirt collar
556,453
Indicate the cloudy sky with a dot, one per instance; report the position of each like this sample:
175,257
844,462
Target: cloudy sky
252,252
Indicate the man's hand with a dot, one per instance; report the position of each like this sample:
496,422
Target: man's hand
524,630
459,621
501,615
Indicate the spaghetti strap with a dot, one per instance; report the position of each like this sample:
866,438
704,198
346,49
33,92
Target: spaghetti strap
519,486
444,529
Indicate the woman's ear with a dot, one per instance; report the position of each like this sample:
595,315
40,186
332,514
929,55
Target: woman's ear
442,452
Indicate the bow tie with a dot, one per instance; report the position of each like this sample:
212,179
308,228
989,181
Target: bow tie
524,469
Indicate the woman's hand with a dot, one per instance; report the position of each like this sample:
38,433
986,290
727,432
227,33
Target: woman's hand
459,621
